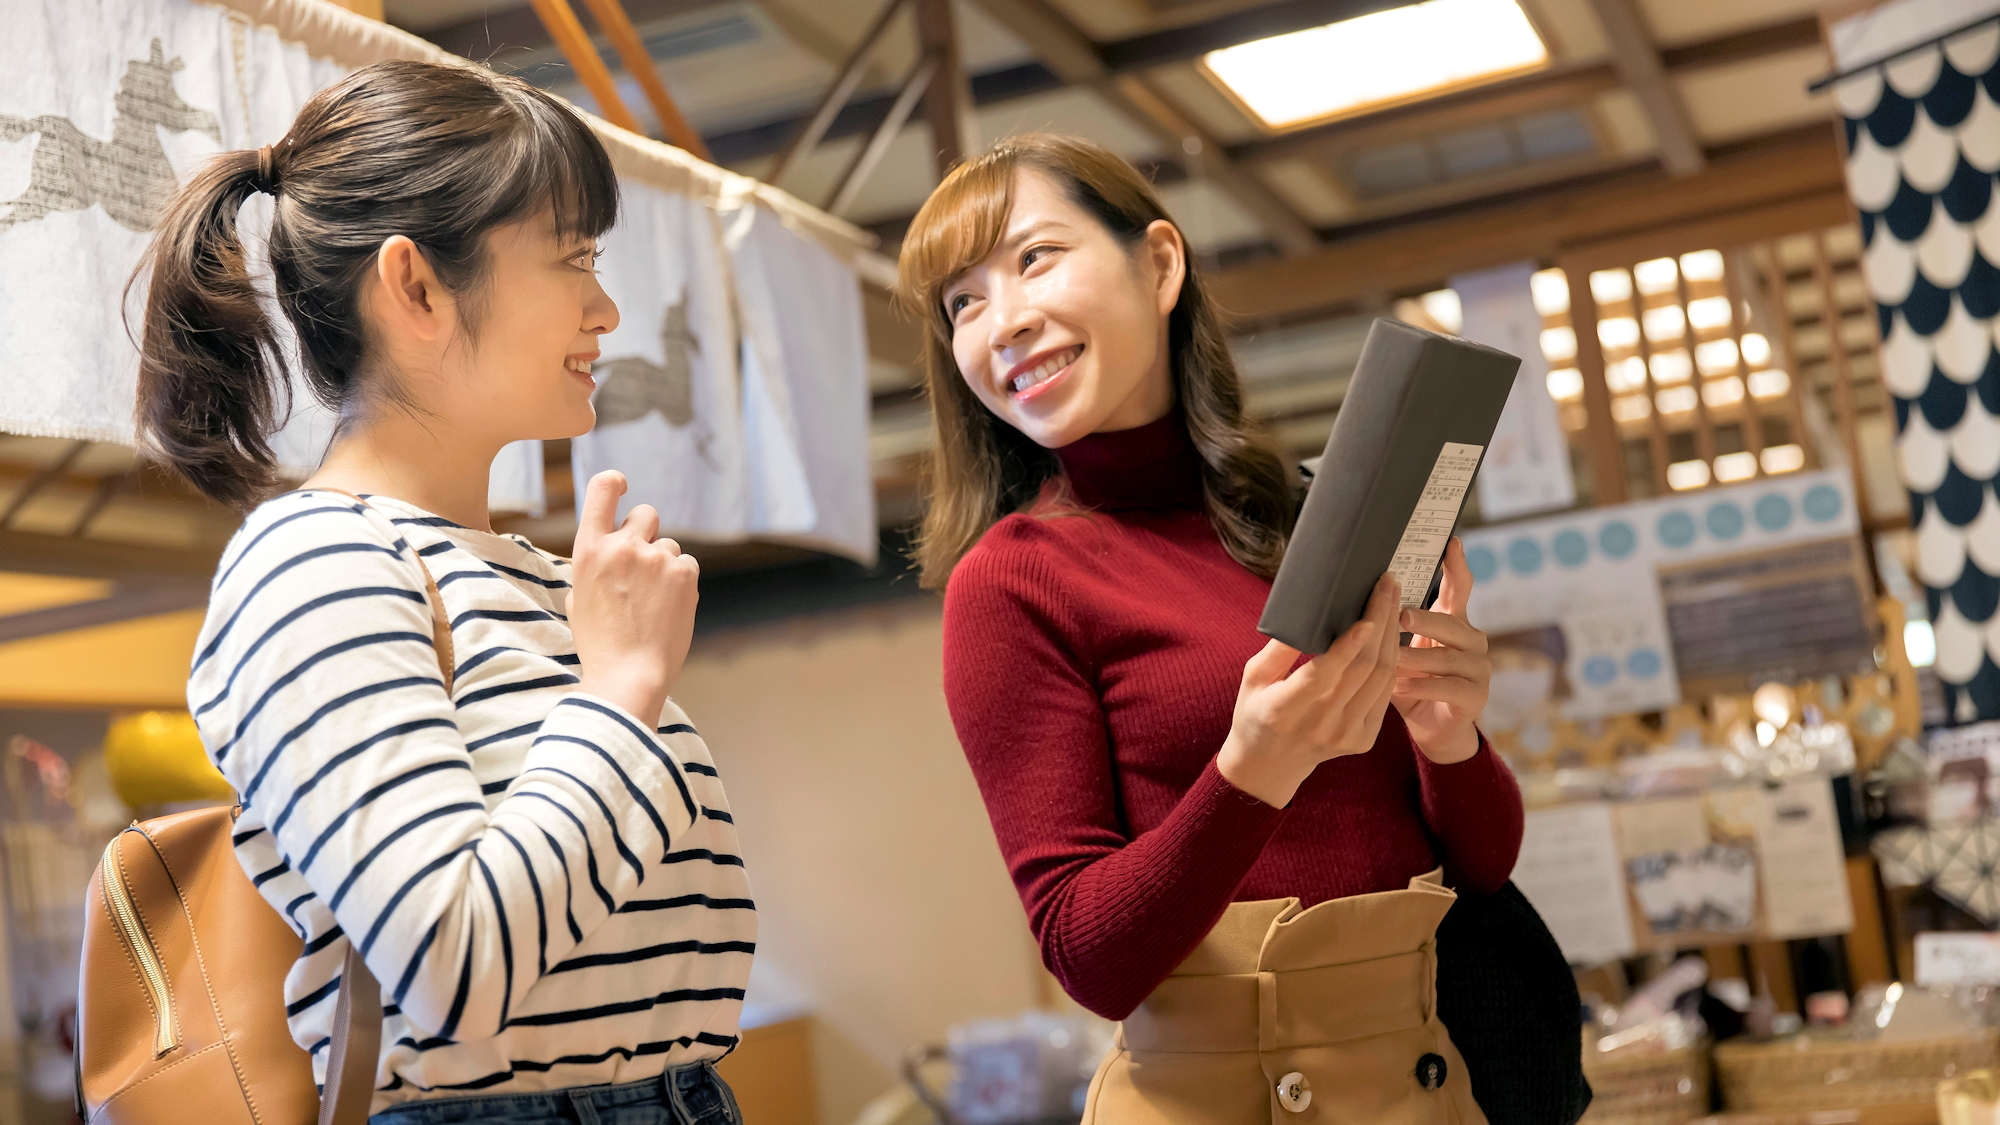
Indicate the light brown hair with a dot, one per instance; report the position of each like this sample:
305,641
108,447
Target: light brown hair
441,154
983,469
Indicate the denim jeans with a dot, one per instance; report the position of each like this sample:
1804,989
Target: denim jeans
687,1095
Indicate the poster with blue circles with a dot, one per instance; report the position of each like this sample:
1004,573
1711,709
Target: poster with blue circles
1920,105
1583,608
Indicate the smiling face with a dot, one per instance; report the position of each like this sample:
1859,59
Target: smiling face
540,313
1061,331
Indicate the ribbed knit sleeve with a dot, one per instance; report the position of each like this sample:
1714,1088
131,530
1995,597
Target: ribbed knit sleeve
1473,810
1114,912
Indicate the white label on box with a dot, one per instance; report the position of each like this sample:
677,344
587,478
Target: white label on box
1429,529
1958,958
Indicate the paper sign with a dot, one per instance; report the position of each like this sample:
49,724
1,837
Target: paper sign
1958,958
1798,842
1569,869
1429,530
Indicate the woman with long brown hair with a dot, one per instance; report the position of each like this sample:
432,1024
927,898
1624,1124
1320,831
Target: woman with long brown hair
1240,853
459,769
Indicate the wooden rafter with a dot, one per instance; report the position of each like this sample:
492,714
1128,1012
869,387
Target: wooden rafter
1640,69
568,33
617,26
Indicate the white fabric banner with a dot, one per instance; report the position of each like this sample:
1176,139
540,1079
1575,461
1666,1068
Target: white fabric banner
1527,468
110,104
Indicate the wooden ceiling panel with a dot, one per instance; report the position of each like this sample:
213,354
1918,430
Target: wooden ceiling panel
1623,123
1674,22
1571,29
1196,94
1764,95
1314,193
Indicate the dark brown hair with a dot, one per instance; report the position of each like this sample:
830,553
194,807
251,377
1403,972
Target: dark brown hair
982,468
441,154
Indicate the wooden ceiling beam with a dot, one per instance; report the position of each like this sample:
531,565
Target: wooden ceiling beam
1639,68
98,558
1790,166
517,31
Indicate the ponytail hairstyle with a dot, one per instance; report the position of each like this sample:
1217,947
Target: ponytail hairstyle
442,154
981,468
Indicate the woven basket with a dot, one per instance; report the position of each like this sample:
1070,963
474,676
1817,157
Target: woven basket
1666,1089
1806,1073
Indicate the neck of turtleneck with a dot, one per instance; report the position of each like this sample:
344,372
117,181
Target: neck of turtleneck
1152,466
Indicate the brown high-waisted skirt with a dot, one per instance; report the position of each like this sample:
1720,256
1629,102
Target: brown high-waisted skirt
1285,1016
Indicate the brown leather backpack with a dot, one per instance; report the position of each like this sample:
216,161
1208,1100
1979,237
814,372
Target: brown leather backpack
181,1006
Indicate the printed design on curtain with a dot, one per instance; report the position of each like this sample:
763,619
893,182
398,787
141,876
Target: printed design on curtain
631,387
1923,143
129,175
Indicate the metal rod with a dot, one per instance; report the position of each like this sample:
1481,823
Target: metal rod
858,170
1817,85
41,480
813,129
567,31
617,26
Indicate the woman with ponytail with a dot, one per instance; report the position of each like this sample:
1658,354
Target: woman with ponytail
1240,852
532,855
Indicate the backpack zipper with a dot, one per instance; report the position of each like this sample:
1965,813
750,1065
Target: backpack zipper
126,915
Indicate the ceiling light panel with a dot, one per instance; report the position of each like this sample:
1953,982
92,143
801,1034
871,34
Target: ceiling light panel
1395,55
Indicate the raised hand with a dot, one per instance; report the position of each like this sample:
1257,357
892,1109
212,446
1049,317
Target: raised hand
631,602
1441,679
1289,720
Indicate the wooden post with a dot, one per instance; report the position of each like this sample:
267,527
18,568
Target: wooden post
617,26
1752,414
1657,426
1704,428
1868,944
948,101
1602,442
568,33
1772,961
1843,375
1780,310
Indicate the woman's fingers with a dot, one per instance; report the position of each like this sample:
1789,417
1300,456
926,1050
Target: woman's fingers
1444,628
1455,690
1456,588
1269,665
599,515
1437,662
644,522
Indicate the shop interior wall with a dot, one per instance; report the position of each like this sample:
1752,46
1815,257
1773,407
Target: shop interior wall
884,907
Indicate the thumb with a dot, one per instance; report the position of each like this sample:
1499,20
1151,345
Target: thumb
599,515
1271,664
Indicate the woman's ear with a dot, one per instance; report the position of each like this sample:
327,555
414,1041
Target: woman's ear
408,296
1166,252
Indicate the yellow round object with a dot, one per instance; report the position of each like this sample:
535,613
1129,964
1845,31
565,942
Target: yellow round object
156,758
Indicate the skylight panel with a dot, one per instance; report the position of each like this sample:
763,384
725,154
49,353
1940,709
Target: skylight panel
1388,56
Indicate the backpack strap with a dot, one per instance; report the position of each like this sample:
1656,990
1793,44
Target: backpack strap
356,1049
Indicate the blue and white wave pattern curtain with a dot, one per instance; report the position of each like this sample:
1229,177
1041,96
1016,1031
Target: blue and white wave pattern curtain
1923,141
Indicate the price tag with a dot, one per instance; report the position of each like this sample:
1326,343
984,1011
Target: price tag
1958,958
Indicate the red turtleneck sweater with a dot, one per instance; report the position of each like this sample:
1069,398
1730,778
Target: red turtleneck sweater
1091,663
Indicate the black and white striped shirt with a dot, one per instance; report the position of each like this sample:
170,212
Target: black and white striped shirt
549,890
